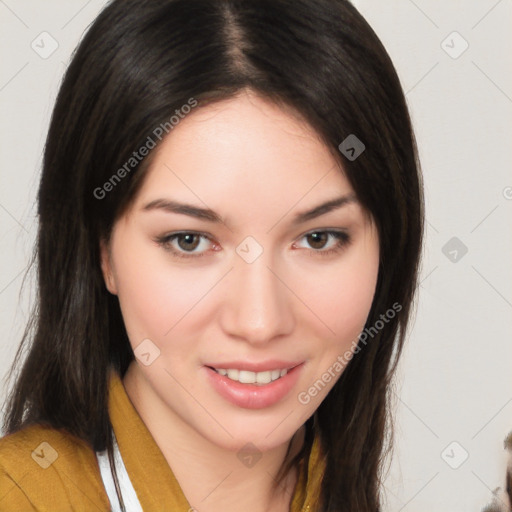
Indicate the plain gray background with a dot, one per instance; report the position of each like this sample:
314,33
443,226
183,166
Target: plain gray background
454,388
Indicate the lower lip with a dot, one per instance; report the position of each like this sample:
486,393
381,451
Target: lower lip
251,396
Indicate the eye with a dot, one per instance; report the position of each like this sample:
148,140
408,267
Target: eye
187,244
326,243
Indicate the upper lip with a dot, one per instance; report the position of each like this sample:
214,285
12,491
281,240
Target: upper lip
263,366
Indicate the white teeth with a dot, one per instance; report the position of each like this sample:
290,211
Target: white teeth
263,377
233,374
247,377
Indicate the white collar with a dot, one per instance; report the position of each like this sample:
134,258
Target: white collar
128,493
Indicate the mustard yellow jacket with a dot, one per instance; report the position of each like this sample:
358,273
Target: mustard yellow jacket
48,470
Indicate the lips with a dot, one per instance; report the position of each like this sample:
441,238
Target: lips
253,396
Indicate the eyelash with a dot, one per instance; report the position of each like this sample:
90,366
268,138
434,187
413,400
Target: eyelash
342,240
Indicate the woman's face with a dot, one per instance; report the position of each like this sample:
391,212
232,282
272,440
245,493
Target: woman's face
228,260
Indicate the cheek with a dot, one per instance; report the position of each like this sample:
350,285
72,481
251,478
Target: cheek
341,297
155,296
355,289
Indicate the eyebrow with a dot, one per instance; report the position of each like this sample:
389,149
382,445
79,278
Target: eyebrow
211,216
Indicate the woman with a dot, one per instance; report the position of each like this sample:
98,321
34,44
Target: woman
230,226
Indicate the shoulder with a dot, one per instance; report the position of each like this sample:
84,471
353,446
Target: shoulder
43,468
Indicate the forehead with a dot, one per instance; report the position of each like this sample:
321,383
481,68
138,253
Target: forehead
244,152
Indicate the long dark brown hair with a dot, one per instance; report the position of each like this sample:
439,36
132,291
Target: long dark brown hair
140,61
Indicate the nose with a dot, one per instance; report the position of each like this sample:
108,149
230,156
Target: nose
258,306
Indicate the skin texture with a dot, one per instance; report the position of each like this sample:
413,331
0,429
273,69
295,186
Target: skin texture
257,166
